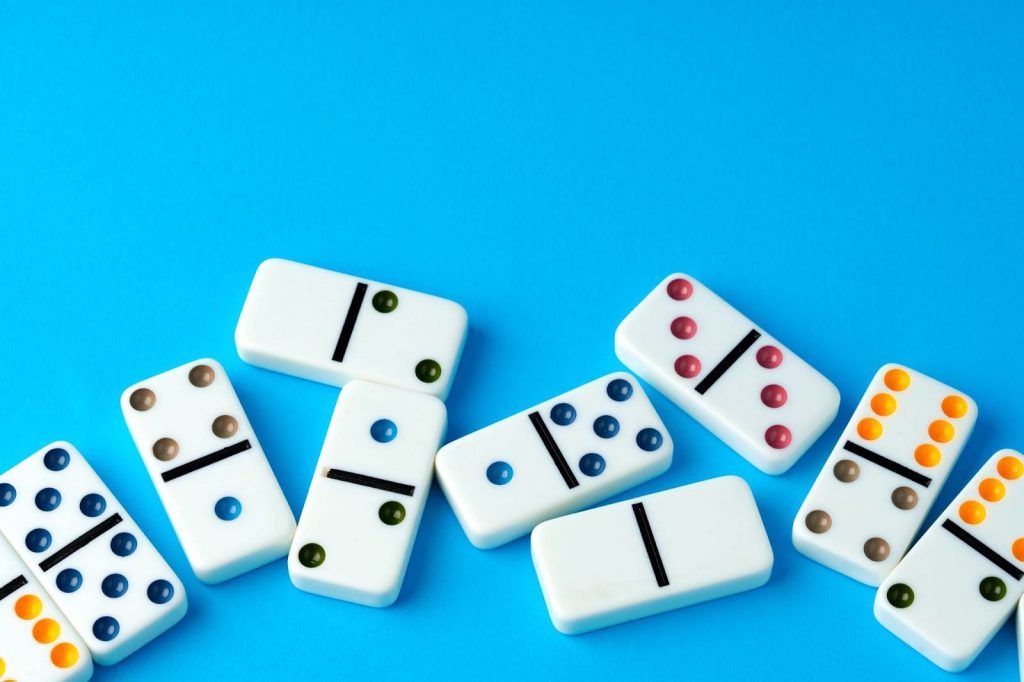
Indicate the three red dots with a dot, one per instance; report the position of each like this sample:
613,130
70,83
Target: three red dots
688,366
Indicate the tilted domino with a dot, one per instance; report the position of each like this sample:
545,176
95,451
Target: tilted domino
645,556
884,474
329,327
560,456
960,583
88,553
36,641
364,505
208,467
748,389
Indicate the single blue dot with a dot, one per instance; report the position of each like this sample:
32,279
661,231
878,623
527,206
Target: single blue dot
57,459
123,544
228,508
48,499
7,494
606,426
620,390
69,580
592,464
649,439
160,592
38,540
499,473
106,628
563,414
93,505
115,585
383,430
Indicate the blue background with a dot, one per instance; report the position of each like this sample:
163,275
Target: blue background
850,177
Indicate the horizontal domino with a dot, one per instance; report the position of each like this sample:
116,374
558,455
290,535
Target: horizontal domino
558,457
742,384
332,328
649,555
90,556
363,510
962,580
882,478
36,641
209,470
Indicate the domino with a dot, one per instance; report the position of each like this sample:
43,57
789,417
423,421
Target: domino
557,457
209,469
748,389
36,641
879,483
88,553
649,555
961,581
333,328
364,505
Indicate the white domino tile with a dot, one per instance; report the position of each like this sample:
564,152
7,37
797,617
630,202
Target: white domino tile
884,474
748,389
37,643
333,328
88,553
962,580
363,510
209,469
652,554
558,457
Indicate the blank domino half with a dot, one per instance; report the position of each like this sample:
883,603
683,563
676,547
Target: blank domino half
748,389
645,556
962,580
88,553
560,456
329,327
883,476
364,505
37,643
209,469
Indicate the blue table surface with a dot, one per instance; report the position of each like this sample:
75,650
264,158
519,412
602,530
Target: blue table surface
852,178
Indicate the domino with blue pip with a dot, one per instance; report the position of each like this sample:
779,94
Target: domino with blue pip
90,556
209,469
558,457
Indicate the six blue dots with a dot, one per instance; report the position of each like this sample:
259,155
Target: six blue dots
93,505
619,390
563,414
606,426
47,499
7,494
592,464
499,473
228,508
383,431
69,580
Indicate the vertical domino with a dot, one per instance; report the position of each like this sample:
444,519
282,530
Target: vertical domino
363,510
748,389
332,328
960,583
36,641
560,456
653,554
88,553
884,474
208,467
